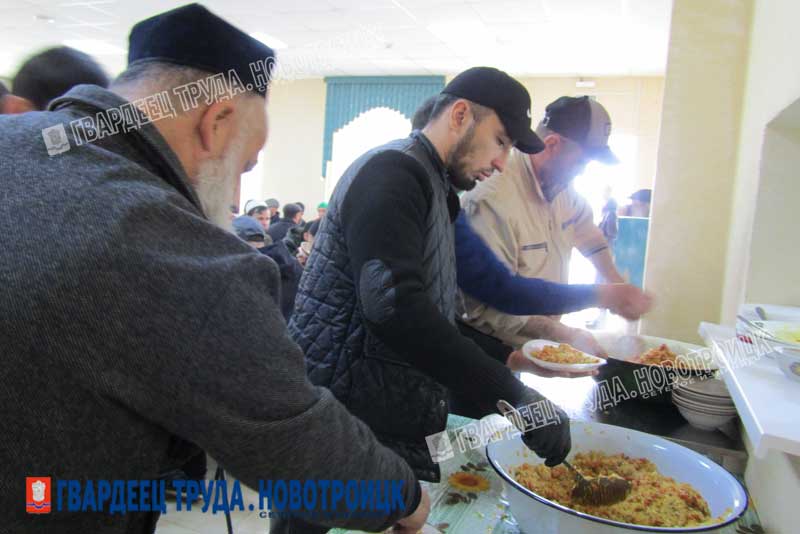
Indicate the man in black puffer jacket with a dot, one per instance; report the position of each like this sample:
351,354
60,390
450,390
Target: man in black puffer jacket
376,306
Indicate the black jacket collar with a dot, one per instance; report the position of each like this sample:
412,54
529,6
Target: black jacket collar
453,204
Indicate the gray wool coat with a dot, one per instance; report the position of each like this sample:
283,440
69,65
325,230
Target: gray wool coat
130,326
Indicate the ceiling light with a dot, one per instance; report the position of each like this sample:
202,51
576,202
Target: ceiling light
269,40
95,47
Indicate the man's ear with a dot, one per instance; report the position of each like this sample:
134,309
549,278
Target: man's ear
13,104
553,144
217,128
459,114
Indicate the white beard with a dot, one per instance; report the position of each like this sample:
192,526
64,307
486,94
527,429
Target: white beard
215,187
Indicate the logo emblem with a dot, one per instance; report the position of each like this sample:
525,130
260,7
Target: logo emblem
529,113
37,495
55,139
440,447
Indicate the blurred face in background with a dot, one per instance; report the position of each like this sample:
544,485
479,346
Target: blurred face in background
262,216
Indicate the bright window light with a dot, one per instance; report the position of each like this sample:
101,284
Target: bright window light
592,185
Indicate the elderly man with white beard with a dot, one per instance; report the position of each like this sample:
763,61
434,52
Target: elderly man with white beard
134,327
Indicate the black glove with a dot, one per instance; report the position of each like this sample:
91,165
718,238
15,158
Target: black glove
546,427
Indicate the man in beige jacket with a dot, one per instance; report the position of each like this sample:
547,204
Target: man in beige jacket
531,217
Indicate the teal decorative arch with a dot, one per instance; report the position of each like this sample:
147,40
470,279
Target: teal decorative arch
349,96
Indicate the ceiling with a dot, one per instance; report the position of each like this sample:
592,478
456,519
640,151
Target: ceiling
378,37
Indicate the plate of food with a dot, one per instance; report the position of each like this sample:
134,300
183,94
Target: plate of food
560,356
664,356
652,365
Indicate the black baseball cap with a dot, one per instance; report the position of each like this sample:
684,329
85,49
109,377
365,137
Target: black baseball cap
508,98
584,121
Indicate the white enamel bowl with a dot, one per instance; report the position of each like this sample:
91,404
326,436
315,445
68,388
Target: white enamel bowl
535,514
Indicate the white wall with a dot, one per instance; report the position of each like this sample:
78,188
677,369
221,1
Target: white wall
710,189
774,269
773,84
699,141
762,261
292,159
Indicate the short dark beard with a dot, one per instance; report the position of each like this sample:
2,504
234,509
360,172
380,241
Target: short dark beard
544,176
549,191
455,163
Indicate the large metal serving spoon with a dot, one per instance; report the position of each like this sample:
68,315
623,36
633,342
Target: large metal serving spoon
588,490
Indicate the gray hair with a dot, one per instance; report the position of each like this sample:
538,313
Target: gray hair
147,78
543,131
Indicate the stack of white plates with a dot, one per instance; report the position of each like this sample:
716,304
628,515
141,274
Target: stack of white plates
706,404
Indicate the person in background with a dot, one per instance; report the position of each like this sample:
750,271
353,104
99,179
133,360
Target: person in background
258,211
302,211
274,209
250,231
50,74
142,354
531,218
309,233
290,270
376,307
294,238
292,214
639,206
608,222
608,225
322,209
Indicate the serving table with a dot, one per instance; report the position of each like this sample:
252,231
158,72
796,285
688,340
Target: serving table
455,511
